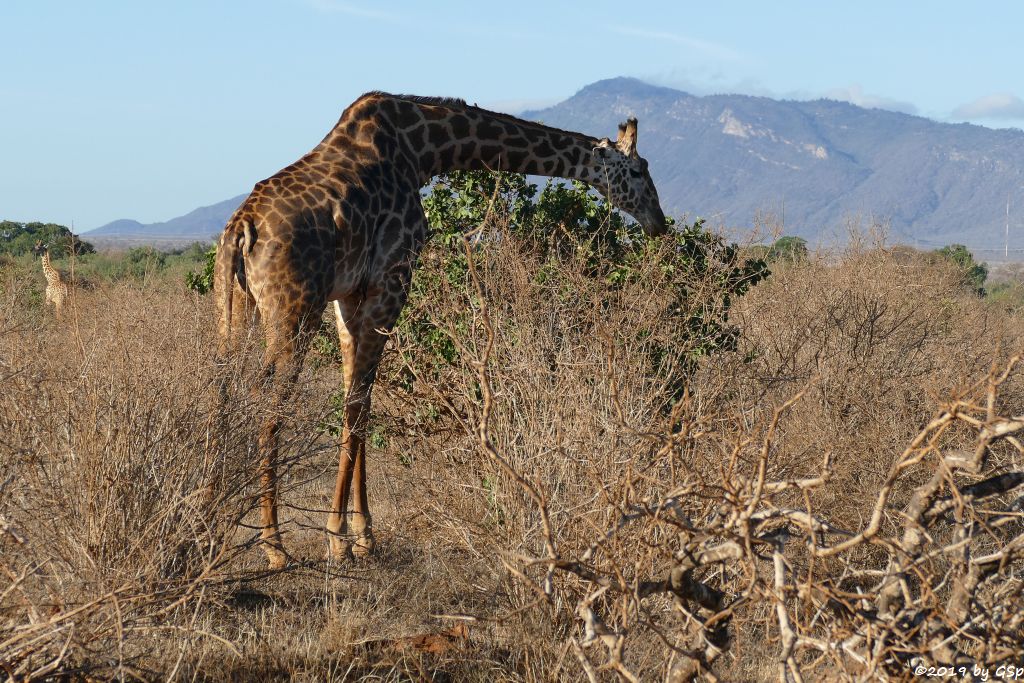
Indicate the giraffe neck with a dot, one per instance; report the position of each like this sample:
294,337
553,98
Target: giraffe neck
477,139
48,270
446,135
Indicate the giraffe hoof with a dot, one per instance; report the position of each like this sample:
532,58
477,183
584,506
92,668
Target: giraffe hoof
339,548
276,557
363,546
276,560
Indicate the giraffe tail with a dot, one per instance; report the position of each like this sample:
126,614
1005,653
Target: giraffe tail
236,241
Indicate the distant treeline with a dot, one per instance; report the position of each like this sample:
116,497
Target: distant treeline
17,239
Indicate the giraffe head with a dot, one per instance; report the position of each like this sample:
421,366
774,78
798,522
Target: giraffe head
39,249
623,177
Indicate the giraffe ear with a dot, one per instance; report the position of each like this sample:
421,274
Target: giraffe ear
626,141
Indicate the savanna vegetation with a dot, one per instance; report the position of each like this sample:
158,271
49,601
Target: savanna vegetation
90,266
595,456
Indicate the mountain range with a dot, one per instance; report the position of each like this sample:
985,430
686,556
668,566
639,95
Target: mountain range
199,224
814,164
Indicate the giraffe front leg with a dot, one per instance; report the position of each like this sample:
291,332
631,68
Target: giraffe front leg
337,524
368,352
357,538
361,522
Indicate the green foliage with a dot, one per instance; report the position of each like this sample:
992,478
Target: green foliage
18,239
563,212
140,261
333,423
786,249
792,249
758,252
137,263
195,252
202,282
379,439
569,222
193,263
974,273
1009,296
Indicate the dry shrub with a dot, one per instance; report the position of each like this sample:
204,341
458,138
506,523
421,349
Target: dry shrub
768,506
117,522
580,483
882,336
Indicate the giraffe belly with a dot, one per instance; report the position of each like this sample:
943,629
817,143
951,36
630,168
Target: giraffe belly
347,282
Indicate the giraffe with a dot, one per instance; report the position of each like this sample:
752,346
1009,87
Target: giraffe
344,224
56,289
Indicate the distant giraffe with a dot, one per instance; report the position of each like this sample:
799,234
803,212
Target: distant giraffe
56,288
344,224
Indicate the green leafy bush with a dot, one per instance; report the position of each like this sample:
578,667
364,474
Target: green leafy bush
202,282
974,273
788,248
140,261
785,249
1007,295
567,224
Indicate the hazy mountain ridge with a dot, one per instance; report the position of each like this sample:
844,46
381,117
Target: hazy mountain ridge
727,157
203,223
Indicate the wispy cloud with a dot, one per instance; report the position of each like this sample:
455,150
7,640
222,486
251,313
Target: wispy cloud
707,48
998,106
353,10
854,94
422,22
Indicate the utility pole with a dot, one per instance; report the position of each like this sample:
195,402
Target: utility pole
1006,242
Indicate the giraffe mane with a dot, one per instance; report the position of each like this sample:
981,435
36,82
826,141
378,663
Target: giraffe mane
459,103
421,99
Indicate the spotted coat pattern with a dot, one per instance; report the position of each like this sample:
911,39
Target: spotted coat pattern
344,224
56,288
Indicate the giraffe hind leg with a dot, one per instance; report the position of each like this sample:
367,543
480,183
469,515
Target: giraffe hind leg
269,441
286,347
229,353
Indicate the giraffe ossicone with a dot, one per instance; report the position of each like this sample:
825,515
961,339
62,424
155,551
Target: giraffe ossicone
344,224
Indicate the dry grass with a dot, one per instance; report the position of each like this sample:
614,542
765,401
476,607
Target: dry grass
531,494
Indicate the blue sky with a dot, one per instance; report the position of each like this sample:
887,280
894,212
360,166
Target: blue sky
146,110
